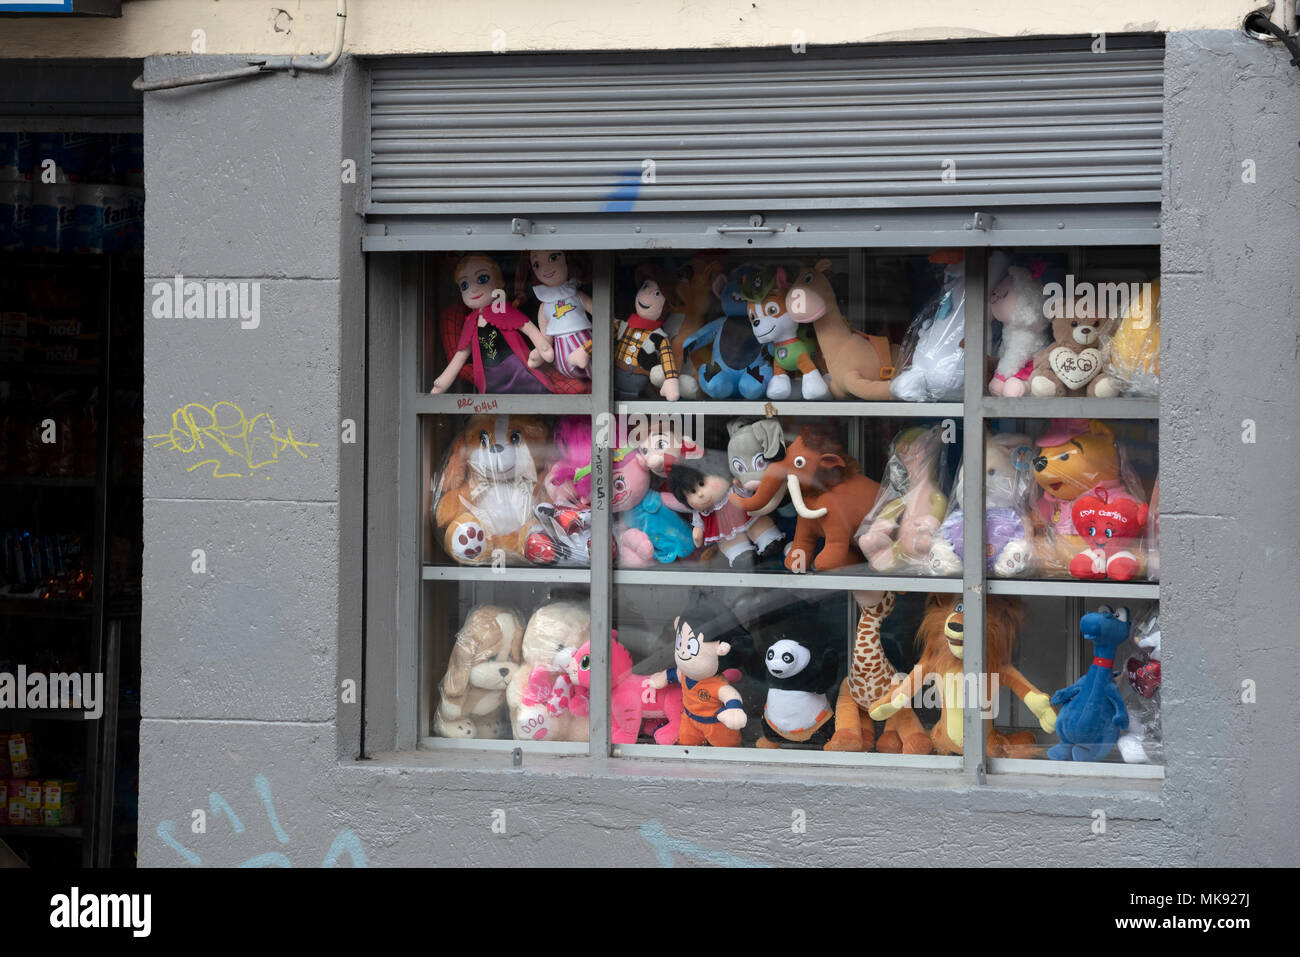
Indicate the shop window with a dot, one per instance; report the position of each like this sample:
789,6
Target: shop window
779,451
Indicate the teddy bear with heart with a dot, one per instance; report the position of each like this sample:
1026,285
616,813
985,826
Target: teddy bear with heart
1071,364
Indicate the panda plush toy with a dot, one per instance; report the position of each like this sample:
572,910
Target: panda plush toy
800,680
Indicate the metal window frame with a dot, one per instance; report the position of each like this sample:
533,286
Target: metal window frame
412,698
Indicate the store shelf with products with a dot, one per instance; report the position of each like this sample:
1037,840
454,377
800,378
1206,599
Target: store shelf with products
910,515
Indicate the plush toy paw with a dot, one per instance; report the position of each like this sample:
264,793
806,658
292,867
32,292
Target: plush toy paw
1013,388
943,559
889,708
918,743
1041,385
732,718
814,386
764,742
1041,706
845,739
890,743
1089,565
1013,560
468,543
1121,567
1106,387
779,387
462,728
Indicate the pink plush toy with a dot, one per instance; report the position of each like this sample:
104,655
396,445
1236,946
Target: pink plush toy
647,529
627,710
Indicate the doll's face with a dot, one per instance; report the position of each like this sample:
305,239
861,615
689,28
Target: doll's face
550,268
631,482
697,655
476,278
712,490
650,300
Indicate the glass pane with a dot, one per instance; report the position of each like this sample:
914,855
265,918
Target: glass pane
1072,498
1085,669
787,656
1081,323
507,660
507,324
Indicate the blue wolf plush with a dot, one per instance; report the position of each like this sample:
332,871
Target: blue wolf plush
739,365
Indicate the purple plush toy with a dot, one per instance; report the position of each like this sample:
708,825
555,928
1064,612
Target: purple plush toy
1007,490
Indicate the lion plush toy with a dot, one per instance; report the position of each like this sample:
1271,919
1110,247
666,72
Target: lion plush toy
484,658
490,486
539,697
939,641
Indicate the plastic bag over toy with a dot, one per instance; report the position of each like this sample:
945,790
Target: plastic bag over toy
485,656
1009,495
1090,520
933,357
1133,351
897,533
563,537
1138,664
489,487
546,698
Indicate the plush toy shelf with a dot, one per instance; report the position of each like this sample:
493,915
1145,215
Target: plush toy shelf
1073,588
759,409
474,404
818,581
996,407
505,575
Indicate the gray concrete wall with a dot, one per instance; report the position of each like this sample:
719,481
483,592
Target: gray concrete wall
242,664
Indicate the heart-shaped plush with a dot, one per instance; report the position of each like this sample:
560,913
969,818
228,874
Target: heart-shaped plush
1074,369
1144,675
1103,518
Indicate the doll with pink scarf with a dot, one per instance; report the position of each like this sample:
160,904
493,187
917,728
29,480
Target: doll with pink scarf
564,316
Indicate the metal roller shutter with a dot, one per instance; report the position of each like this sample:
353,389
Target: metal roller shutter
1013,126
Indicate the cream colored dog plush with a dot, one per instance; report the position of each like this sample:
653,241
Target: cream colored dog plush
554,633
485,657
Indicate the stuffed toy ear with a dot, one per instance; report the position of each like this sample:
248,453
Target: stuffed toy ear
823,266
456,680
781,279
829,460
770,432
1100,428
454,475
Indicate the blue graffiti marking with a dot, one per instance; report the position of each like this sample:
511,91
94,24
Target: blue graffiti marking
624,196
345,842
264,789
664,847
349,842
164,832
218,805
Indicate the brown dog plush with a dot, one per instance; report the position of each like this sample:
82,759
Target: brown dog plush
485,656
939,640
860,365
490,486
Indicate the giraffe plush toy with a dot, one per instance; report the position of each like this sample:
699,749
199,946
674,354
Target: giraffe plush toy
871,676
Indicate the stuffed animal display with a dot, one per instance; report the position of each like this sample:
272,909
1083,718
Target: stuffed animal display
1139,681
703,486
485,657
1071,364
543,702
1087,521
489,488
860,366
900,529
829,492
1092,712
1009,493
738,365
1016,301
1133,352
713,712
940,643
933,353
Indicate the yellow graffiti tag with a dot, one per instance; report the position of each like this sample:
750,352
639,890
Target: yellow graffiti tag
254,443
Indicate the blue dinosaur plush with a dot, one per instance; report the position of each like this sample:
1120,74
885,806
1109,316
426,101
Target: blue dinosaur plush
1092,712
738,366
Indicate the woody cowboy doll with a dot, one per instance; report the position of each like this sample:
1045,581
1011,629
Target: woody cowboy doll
643,351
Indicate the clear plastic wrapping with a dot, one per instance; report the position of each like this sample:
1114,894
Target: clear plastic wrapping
485,657
1009,495
899,531
932,359
1090,519
1133,351
545,698
1139,680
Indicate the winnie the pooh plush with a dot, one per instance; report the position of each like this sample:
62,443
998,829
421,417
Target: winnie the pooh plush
1077,464
1071,364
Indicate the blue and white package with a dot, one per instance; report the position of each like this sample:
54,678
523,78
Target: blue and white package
54,214
126,158
124,220
15,156
15,215
94,200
